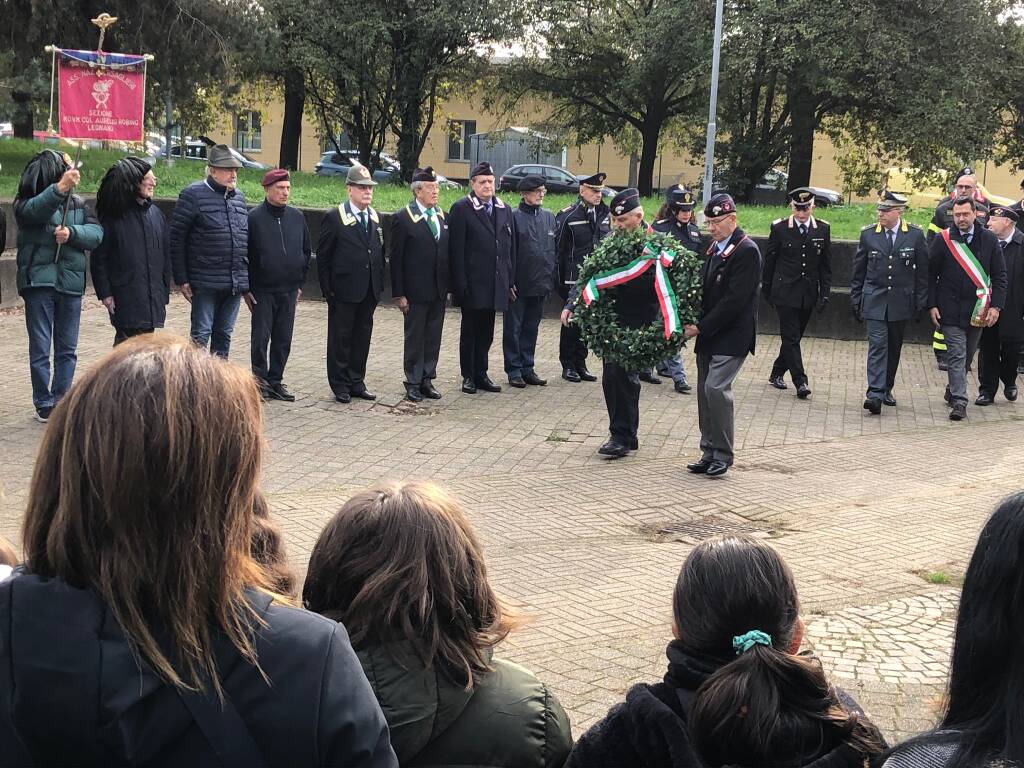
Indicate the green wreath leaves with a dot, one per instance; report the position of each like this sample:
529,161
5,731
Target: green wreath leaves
637,349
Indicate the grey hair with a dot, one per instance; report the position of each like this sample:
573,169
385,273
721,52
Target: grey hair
415,186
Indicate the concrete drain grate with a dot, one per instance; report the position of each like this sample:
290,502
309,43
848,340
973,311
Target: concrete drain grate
694,531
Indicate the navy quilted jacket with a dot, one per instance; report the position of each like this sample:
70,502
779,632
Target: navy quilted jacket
209,238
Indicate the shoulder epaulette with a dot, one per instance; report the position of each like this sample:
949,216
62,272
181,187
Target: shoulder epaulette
822,221
661,221
777,221
567,208
867,227
911,225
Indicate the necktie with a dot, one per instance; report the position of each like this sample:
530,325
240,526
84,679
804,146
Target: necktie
362,221
592,217
967,237
490,208
892,237
1003,243
432,223
803,230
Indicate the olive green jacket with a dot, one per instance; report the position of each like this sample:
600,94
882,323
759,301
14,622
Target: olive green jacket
509,720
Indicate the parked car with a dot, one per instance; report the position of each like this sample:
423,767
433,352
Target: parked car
772,188
333,163
196,149
555,179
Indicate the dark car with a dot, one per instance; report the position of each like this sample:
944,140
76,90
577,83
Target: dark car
555,179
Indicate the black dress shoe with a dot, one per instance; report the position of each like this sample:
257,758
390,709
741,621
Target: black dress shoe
280,392
533,379
614,449
1010,393
517,382
874,405
634,444
889,400
585,374
803,391
648,377
947,397
699,467
570,374
468,386
984,399
778,382
487,385
683,388
412,393
428,391
958,412
344,397
364,394
716,468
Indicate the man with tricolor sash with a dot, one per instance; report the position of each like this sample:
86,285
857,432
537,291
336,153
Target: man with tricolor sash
637,297
966,292
726,332
889,287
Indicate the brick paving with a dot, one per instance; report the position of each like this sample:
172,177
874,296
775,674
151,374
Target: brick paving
587,549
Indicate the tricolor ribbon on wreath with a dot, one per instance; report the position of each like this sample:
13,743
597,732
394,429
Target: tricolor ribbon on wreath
662,287
970,264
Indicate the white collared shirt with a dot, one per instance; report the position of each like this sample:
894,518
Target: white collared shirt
356,210
423,210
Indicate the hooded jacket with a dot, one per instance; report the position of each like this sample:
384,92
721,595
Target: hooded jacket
72,692
508,720
650,729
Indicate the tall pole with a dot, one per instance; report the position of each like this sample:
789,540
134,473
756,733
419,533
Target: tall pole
709,150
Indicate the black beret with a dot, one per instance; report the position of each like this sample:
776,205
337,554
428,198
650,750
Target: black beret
801,196
594,181
720,204
681,198
481,169
530,183
626,201
424,174
1005,211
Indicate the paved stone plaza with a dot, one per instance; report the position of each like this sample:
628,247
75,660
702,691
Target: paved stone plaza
864,508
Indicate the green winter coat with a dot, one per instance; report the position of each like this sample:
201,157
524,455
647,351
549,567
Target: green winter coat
38,218
509,720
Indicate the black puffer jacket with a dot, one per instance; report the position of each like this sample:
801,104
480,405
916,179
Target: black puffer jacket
209,238
535,252
650,729
133,265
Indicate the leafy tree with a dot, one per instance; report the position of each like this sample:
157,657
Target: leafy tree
625,70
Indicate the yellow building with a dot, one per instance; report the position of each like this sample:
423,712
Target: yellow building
258,133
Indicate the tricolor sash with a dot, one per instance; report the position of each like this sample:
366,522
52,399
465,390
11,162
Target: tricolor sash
970,264
662,286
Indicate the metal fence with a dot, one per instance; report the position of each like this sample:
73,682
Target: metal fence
514,146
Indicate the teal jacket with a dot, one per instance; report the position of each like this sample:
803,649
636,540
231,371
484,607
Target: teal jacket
509,720
38,218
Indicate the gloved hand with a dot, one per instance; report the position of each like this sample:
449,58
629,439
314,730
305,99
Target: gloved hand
858,315
822,303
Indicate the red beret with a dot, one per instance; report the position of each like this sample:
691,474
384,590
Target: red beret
274,176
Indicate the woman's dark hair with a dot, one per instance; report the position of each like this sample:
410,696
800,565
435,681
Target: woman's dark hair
400,561
766,706
40,172
986,676
267,548
120,187
143,491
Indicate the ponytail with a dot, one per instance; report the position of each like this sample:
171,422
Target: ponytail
768,706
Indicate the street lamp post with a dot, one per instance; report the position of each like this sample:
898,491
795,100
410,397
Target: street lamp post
709,150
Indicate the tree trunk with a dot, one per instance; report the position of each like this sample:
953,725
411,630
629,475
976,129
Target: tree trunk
801,138
23,119
409,95
291,126
649,135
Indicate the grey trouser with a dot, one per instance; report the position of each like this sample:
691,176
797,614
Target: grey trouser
715,374
885,341
424,322
961,344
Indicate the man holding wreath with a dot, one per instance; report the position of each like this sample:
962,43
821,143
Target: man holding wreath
726,332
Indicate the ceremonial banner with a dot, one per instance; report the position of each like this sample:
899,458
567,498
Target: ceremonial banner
101,95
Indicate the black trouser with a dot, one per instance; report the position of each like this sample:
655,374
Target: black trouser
475,337
572,352
123,334
622,399
792,323
273,320
997,362
349,327
424,322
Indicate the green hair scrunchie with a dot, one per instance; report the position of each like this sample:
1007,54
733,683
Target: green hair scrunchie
746,641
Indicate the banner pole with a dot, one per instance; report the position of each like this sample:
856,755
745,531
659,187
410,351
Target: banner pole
52,49
67,203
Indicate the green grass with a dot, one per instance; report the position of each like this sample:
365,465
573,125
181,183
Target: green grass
311,191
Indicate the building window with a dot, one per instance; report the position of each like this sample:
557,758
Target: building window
459,132
248,134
